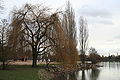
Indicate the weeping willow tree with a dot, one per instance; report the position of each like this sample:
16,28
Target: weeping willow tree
29,26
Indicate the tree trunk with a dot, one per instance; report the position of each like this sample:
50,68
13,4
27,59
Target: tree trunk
83,75
83,59
34,63
3,65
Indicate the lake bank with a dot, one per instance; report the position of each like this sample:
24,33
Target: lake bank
108,71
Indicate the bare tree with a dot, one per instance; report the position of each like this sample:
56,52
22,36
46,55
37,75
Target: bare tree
69,32
83,37
94,56
4,55
92,50
68,22
1,6
31,24
36,27
66,51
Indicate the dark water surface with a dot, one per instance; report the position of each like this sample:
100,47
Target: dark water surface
109,71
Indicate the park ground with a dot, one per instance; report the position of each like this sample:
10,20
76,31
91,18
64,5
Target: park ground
20,71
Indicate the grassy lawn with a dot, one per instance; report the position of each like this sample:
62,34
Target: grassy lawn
18,72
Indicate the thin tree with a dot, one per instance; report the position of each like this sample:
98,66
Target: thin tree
68,22
69,28
1,6
4,55
65,49
83,38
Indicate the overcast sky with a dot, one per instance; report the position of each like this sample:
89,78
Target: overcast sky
102,16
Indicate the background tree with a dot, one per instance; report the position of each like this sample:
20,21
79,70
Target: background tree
4,50
68,22
83,37
1,6
65,50
94,56
4,55
69,34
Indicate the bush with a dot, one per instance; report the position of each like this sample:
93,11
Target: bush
45,75
94,58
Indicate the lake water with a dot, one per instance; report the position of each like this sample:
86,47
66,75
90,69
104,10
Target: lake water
109,71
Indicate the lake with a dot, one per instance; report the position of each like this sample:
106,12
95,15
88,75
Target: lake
109,71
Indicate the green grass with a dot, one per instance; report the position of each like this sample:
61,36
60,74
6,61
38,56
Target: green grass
17,72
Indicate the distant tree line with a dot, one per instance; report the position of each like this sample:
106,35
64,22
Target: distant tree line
111,58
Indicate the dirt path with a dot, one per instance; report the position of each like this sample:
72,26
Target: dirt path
28,62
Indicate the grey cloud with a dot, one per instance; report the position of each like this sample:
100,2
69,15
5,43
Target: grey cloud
96,15
106,22
96,20
109,41
117,37
94,11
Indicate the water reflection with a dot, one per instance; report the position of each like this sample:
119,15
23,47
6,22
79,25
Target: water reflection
94,74
72,76
83,74
67,76
111,65
109,71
